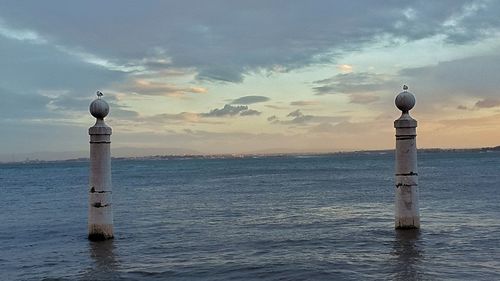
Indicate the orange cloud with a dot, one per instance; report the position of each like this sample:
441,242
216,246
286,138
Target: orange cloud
345,68
153,88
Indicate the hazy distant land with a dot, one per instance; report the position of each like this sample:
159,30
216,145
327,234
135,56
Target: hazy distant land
176,153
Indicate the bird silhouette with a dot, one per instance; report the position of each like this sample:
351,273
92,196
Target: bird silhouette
405,87
99,94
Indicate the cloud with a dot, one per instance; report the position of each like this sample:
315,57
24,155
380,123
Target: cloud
180,118
301,119
471,76
345,68
44,67
448,83
160,48
68,101
360,87
23,106
250,112
37,75
231,110
152,88
124,114
304,103
475,123
165,122
272,118
352,83
298,118
295,113
487,103
363,98
21,34
250,100
71,103
434,85
202,38
460,26
278,107
323,128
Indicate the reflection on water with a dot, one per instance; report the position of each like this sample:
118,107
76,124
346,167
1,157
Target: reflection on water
408,251
104,265
102,253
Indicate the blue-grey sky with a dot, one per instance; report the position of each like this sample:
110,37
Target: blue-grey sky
247,76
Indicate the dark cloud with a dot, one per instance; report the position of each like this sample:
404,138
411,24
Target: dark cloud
433,85
304,103
49,70
68,102
299,118
250,112
42,81
186,117
473,76
201,35
272,118
302,119
250,100
351,83
43,67
295,113
487,103
71,102
227,110
23,106
230,110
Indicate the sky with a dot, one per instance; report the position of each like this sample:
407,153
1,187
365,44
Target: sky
214,77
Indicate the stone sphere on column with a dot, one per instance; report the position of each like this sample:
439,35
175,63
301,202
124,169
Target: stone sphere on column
99,108
405,100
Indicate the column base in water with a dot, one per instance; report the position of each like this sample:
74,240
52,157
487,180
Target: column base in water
100,232
407,223
406,213
100,223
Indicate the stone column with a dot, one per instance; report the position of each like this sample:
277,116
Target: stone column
100,221
406,211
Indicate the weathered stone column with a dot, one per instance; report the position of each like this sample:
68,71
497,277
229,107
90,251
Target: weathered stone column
406,211
100,223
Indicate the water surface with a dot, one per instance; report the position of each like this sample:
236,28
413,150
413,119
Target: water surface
268,218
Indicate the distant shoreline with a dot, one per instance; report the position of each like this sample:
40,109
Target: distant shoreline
254,155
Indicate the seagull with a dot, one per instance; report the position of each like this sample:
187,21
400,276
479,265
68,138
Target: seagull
99,94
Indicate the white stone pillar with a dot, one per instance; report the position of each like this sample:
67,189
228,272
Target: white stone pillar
406,211
100,221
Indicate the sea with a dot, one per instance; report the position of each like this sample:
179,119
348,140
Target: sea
300,217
